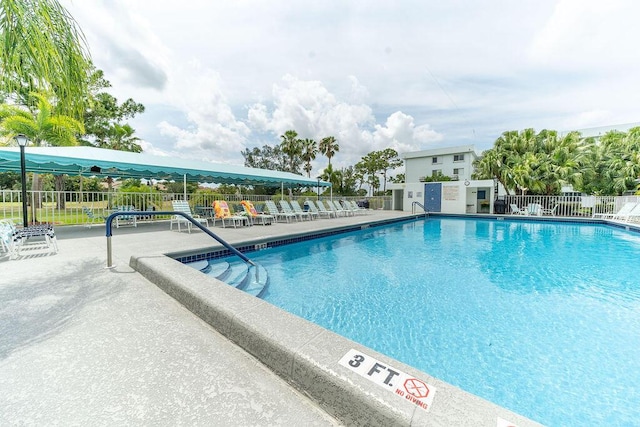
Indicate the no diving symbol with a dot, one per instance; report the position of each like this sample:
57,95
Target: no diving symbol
416,388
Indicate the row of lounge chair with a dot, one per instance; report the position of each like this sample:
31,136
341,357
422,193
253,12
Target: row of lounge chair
629,212
293,211
288,212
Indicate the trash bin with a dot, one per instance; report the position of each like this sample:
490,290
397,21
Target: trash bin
500,206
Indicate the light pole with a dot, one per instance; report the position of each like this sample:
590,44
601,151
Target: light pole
318,189
22,141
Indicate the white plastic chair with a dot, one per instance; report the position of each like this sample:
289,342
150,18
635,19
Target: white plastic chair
286,208
298,209
183,206
273,210
515,210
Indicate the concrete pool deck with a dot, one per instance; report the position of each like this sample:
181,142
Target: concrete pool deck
84,345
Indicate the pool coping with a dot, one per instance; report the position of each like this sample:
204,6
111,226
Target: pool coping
306,355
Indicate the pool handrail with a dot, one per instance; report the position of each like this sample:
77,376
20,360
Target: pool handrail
186,216
413,208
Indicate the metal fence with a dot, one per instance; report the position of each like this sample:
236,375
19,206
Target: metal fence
571,206
76,207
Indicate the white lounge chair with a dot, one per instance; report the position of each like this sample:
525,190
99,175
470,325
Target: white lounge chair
254,215
622,212
224,214
273,210
183,206
534,209
338,208
330,207
320,211
357,209
633,214
515,210
551,211
348,207
298,209
7,230
126,219
286,208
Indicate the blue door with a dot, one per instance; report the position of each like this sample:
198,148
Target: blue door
433,196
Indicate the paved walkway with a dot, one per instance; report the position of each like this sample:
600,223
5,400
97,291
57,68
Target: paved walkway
84,345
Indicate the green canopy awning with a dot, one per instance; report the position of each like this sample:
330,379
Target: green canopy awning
91,161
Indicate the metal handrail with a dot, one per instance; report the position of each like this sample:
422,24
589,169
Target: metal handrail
413,208
186,216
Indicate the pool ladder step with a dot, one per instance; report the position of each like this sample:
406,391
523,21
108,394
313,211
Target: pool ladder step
252,279
202,265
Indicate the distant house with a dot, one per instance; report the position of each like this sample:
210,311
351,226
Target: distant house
460,195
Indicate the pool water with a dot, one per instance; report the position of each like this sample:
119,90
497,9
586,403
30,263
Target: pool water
541,318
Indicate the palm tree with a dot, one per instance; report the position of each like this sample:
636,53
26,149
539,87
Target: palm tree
43,49
309,152
334,177
329,147
292,147
40,127
120,137
44,127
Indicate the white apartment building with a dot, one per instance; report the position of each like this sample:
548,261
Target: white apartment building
454,162
462,195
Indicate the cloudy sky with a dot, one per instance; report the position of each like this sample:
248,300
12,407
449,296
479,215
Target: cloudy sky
220,76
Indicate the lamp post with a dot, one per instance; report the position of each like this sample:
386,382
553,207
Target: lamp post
22,141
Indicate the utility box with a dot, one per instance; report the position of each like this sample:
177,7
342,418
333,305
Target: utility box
499,206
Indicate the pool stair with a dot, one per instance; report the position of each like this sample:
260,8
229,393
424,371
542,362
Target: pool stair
251,279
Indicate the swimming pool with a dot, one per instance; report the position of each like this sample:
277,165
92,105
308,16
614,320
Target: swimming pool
541,318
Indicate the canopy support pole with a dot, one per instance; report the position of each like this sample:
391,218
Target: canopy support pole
184,186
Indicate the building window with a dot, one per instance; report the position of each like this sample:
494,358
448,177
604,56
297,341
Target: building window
458,171
482,194
436,172
458,157
434,160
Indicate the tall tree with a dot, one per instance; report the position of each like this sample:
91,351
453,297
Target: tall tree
536,163
329,175
292,147
329,147
368,167
267,157
389,160
309,152
43,49
620,156
105,118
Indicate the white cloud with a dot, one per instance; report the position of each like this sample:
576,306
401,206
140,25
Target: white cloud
220,76
213,130
314,112
596,34
401,134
